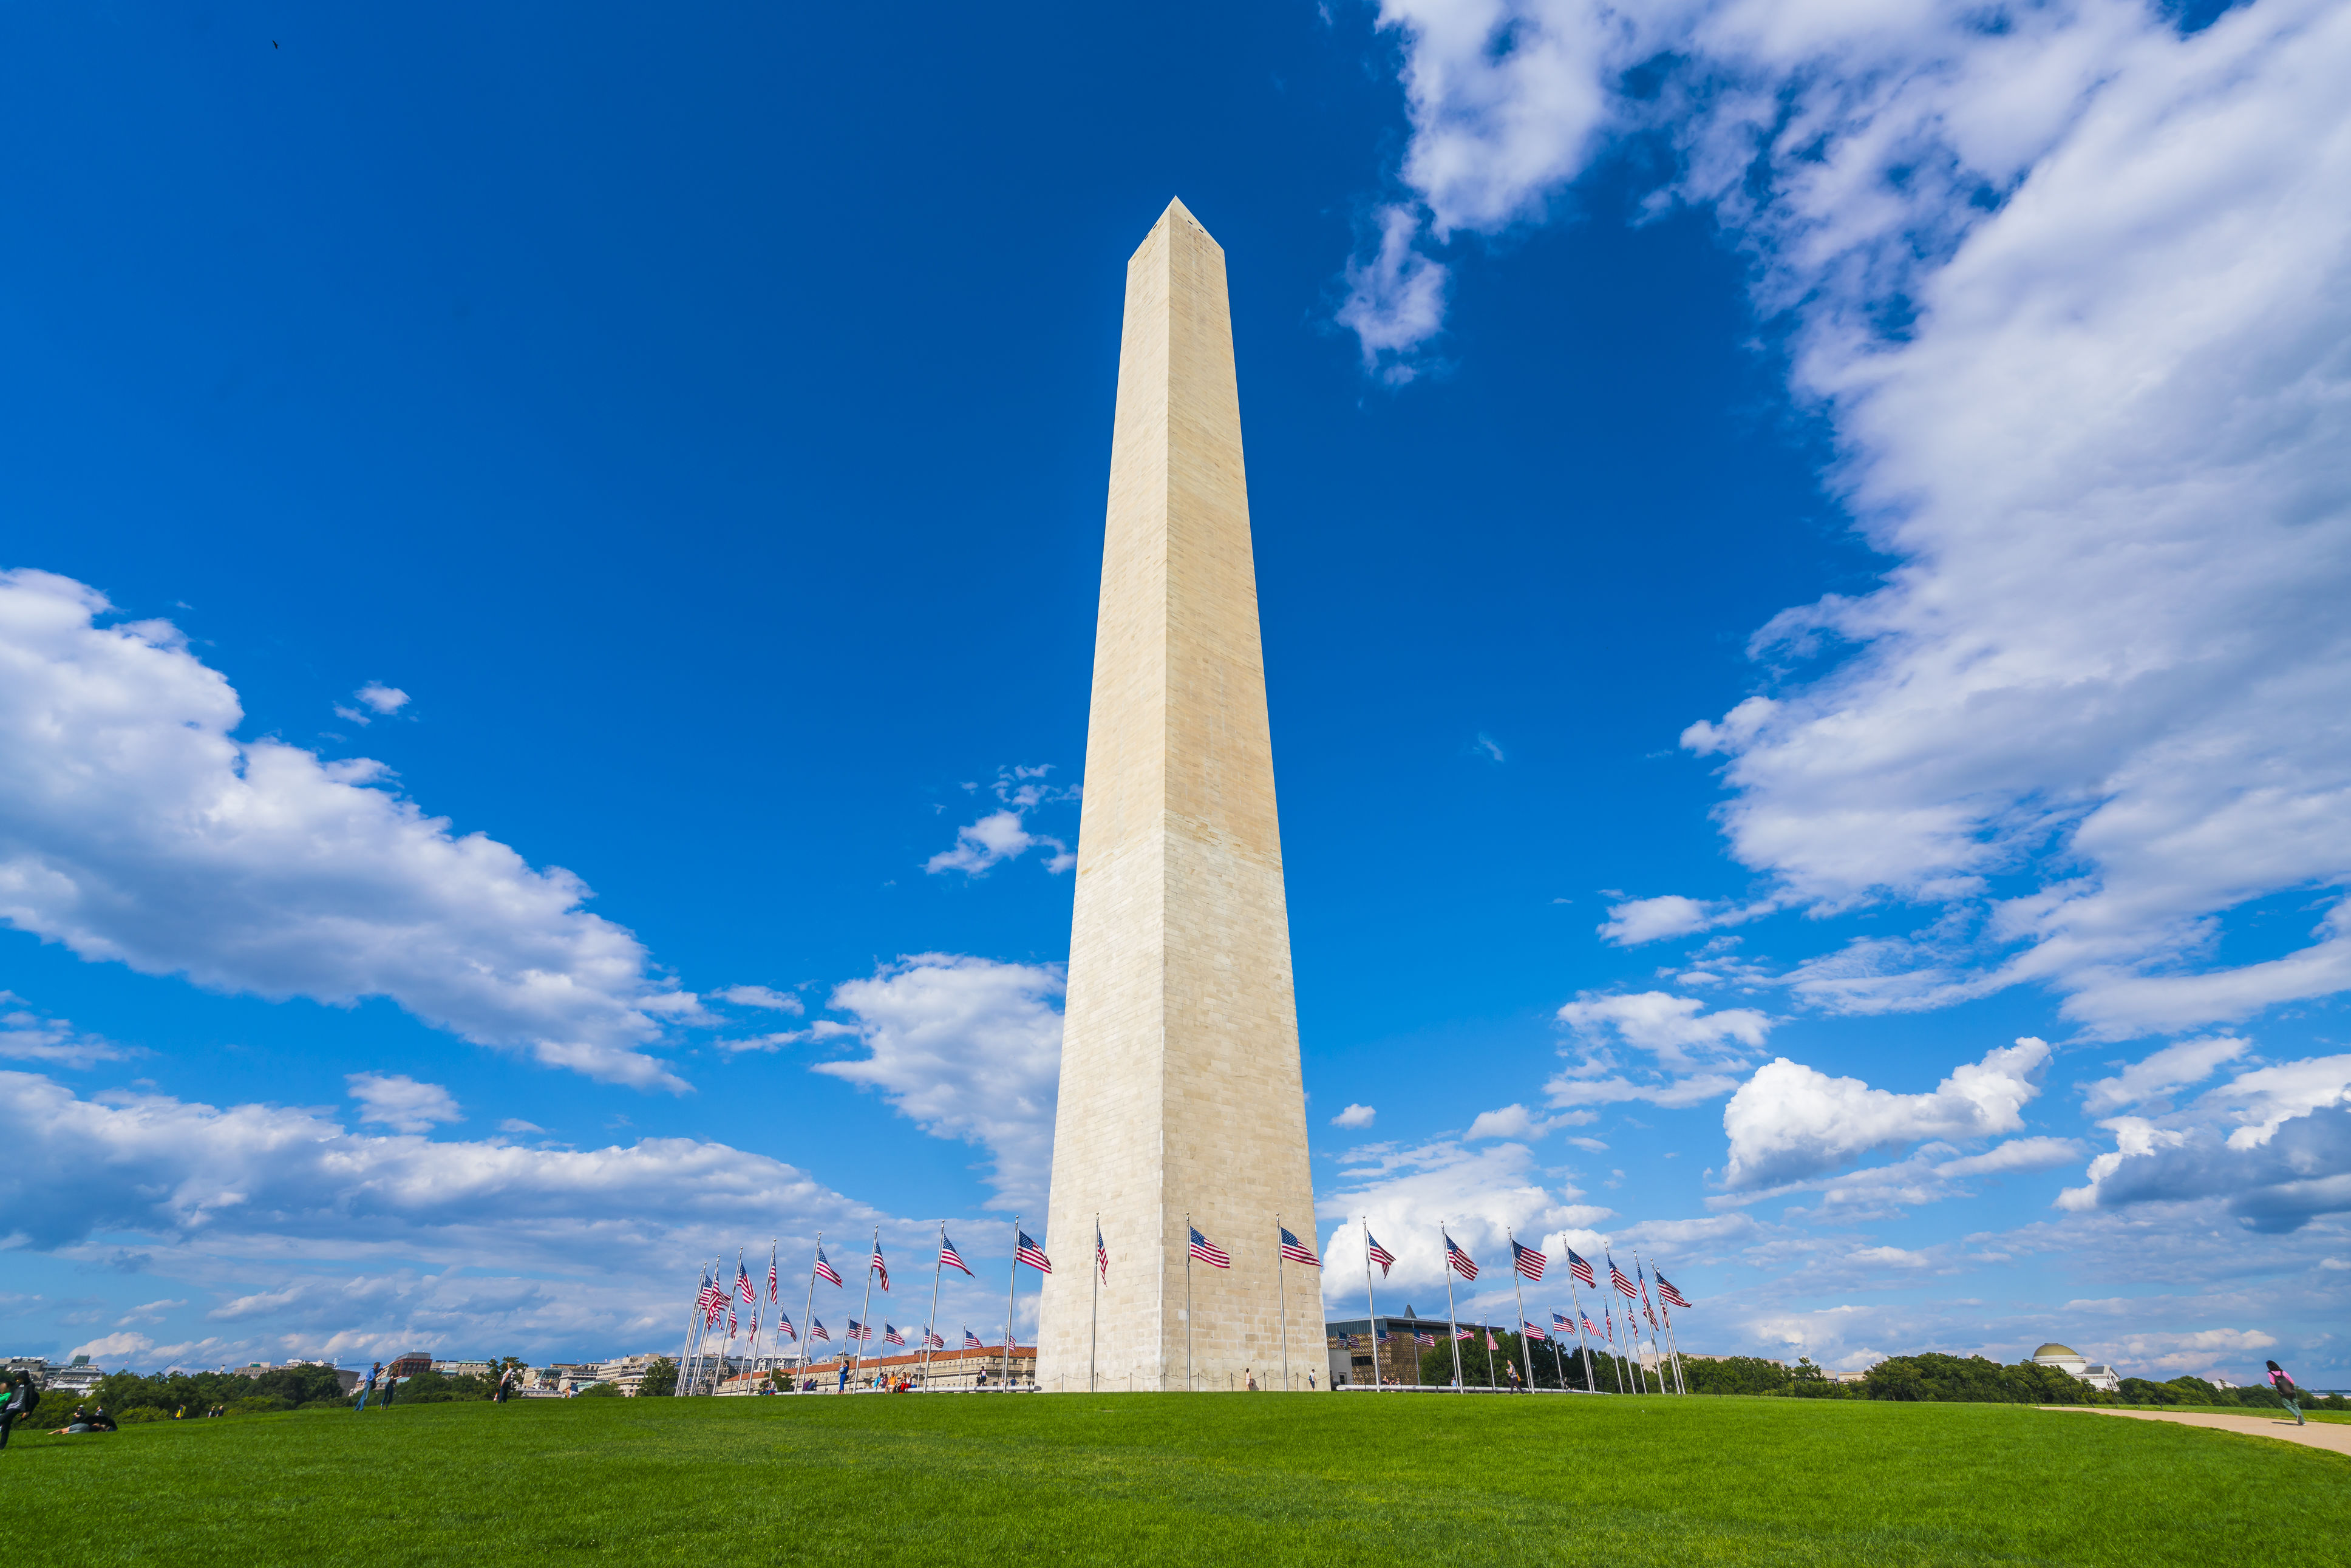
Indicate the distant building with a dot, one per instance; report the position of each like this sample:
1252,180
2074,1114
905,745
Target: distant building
2073,1364
948,1370
408,1365
627,1371
79,1378
465,1368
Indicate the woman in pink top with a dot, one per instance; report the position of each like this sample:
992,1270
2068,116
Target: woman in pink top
2287,1392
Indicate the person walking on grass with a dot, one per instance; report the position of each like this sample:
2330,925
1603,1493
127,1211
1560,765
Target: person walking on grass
22,1398
367,1387
2288,1392
390,1386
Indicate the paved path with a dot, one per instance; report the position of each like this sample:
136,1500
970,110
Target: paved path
2333,1437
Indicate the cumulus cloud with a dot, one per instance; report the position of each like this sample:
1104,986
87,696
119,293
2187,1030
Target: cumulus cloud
1003,835
2071,290
133,828
967,1047
1354,1116
378,698
1639,920
400,1102
1479,1194
1788,1122
2272,1144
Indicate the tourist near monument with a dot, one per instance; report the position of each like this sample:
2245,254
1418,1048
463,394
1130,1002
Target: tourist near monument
1182,1111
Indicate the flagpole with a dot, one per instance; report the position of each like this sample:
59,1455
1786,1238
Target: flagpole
1011,1287
931,1328
1583,1340
1664,1358
1673,1349
1093,1341
692,1318
701,1332
808,1314
692,1345
1526,1352
1452,1320
1370,1308
864,1330
1281,1288
1558,1361
1188,1388
754,1324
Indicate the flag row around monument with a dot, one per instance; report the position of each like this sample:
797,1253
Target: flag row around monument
714,1300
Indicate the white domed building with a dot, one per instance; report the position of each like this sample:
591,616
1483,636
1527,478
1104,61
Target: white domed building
2071,1362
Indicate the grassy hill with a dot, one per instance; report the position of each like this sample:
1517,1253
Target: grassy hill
1205,1478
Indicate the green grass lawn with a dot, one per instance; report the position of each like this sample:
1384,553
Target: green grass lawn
1205,1478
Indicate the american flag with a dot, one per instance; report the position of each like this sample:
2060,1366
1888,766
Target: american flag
743,1286
816,1331
771,1276
825,1271
730,1323
708,1292
931,1340
1463,1333
1027,1251
1101,1256
1209,1252
878,1266
1380,1254
783,1325
1561,1325
1581,1268
858,1330
1298,1251
1534,1330
1624,1286
1527,1261
1589,1326
949,1257
1668,1294
1608,1318
971,1340
1458,1260
892,1337
755,1325
1490,1341
1427,1341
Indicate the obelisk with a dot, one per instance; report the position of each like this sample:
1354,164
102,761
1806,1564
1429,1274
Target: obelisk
1180,1088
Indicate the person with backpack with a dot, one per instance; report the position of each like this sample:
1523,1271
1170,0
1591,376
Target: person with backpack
367,1387
22,1399
2287,1392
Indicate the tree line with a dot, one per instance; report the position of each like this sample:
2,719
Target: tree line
1929,1376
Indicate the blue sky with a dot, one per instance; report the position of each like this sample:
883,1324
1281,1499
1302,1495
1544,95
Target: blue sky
1794,556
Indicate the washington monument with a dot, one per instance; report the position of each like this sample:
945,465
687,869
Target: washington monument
1180,1087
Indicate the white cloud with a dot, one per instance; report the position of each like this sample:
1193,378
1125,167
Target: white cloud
26,1036
969,1048
1640,920
276,1181
1788,1122
1395,298
2173,1067
134,828
2274,1144
761,997
2016,1155
1678,1031
1003,835
400,1102
2070,291
113,1347
1354,1116
1478,1194
383,699
517,1124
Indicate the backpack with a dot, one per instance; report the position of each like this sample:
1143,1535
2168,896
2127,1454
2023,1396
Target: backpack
27,1400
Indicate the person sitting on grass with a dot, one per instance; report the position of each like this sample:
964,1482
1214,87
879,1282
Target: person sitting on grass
2287,1392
